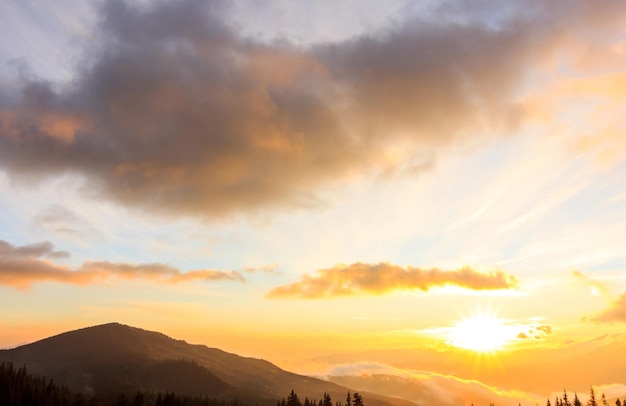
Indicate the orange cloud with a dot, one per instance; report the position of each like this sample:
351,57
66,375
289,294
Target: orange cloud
360,278
615,313
21,267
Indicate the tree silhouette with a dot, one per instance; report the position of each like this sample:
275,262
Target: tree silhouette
577,401
592,398
292,399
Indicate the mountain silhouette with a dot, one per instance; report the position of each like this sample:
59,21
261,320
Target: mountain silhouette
117,358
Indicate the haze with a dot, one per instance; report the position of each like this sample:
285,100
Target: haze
349,190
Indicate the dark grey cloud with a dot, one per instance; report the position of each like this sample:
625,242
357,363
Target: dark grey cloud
172,111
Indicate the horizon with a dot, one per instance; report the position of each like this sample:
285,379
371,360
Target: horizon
431,191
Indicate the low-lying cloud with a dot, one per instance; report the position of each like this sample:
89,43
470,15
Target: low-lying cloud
375,279
426,388
23,266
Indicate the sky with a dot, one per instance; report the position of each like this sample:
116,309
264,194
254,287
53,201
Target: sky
332,186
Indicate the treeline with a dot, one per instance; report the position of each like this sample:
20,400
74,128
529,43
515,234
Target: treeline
19,388
567,400
593,400
293,400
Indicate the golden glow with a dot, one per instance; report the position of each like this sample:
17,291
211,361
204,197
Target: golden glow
482,333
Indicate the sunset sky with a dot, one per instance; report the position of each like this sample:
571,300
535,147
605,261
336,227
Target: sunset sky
301,181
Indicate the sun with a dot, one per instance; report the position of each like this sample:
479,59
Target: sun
481,333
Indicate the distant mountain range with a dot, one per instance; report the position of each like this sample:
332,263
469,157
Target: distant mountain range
113,358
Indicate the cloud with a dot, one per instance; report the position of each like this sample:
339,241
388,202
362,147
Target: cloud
172,111
64,221
37,250
547,330
597,288
424,387
361,278
538,332
268,269
21,267
615,313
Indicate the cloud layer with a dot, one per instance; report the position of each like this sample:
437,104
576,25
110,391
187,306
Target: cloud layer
171,110
615,313
425,387
360,278
22,266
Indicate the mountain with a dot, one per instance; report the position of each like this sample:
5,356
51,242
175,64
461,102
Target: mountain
118,358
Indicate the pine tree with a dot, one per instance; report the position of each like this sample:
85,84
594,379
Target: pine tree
358,400
348,400
604,403
327,400
566,401
577,401
293,400
592,398
618,402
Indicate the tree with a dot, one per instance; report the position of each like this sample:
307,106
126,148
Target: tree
327,400
348,400
577,401
592,398
358,400
604,400
293,400
566,401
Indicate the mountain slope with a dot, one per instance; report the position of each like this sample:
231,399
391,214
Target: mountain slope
115,357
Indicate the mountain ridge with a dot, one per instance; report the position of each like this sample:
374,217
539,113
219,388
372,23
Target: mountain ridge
118,357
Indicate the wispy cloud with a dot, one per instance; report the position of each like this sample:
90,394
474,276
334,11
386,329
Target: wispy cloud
597,288
21,267
267,269
361,278
615,313
65,222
